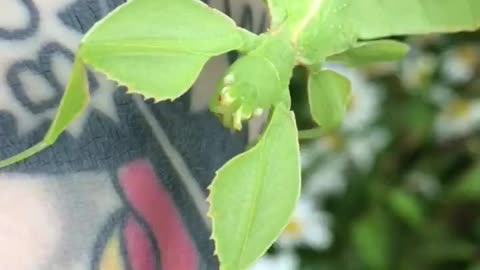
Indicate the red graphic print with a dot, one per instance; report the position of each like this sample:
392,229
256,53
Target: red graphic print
147,196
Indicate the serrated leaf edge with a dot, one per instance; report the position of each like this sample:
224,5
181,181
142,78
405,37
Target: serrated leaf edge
132,89
211,188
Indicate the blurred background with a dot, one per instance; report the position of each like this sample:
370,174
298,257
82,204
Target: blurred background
398,186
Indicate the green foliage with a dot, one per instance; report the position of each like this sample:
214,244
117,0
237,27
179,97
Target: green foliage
239,97
371,52
245,221
423,182
150,47
406,207
414,17
370,239
329,94
153,49
468,186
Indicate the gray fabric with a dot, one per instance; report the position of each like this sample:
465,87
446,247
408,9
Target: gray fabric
78,177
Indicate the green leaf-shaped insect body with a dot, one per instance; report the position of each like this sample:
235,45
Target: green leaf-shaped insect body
364,53
324,28
74,101
255,82
158,52
168,52
320,28
254,194
148,46
157,48
329,94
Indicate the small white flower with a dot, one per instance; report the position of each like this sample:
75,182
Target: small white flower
285,260
359,148
363,149
440,95
308,153
459,64
329,179
364,107
426,184
328,145
458,118
417,69
308,226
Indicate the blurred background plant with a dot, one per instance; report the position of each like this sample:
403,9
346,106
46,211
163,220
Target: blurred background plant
398,186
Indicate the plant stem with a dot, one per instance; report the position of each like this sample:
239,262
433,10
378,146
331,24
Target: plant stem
250,40
309,134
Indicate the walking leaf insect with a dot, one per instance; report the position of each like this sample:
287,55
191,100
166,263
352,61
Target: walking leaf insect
157,48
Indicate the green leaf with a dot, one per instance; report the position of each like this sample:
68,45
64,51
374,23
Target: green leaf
73,103
467,188
407,207
373,51
475,266
253,195
320,28
441,245
158,47
375,19
371,238
278,12
329,94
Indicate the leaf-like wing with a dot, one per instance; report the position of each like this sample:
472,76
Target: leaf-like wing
321,28
158,47
73,103
277,10
329,94
371,52
381,18
254,194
